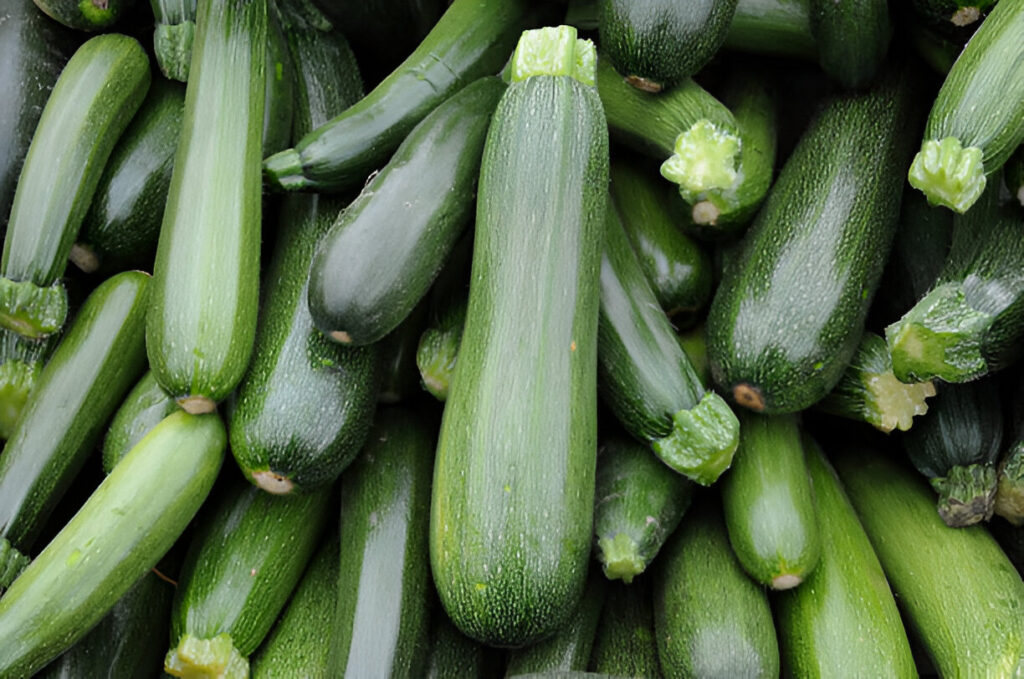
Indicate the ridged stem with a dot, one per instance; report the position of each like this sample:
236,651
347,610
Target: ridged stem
966,494
1009,502
702,441
705,158
12,563
553,51
30,310
620,558
172,44
948,174
215,658
17,379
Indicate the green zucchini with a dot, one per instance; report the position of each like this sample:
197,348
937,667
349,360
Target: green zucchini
383,589
123,529
472,40
146,405
438,350
242,564
396,358
1009,500
279,98
78,391
174,31
852,37
658,43
677,269
453,655
710,619
513,494
22,361
789,312
778,27
202,323
120,229
768,505
96,95
625,644
695,347
85,15
637,505
647,379
958,591
977,120
380,257
843,615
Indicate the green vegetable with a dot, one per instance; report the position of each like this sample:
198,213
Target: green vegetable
852,36
625,645
85,15
173,34
781,27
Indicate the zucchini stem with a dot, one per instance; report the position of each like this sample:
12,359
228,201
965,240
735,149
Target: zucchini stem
702,441
30,310
554,51
215,658
12,563
1009,502
283,171
704,159
172,44
84,257
966,494
620,558
948,174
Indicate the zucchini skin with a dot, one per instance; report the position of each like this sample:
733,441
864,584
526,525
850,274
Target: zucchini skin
146,405
92,369
383,590
624,644
90,15
454,655
844,614
174,31
781,27
202,324
514,475
852,38
385,250
788,314
129,522
438,350
279,97
958,590
396,358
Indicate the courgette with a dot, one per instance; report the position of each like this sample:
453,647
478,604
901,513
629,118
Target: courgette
85,15
778,27
396,358
453,655
22,361
279,98
1009,500
852,38
438,349
625,644
174,31
146,405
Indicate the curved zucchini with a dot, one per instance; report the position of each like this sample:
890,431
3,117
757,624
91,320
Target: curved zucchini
202,324
778,27
852,37
145,407
85,15
625,644
513,495
120,533
174,32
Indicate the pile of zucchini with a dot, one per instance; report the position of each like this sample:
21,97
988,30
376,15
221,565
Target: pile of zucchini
525,338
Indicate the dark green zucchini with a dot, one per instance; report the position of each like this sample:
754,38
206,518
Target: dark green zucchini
695,346
438,349
99,359
145,407
202,323
453,655
852,36
279,97
513,494
120,533
647,379
789,312
396,358
779,27
843,615
658,43
380,257
473,39
174,31
96,95
637,505
85,15
383,589
242,564
624,644
120,229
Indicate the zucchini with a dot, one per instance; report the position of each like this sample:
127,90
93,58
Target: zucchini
695,347
637,505
438,350
96,95
201,327
513,494
95,365
383,590
977,119
844,614
958,591
852,38
777,27
242,564
127,524
1009,500
624,644
85,15
789,312
768,505
22,361
279,98
936,51
471,40
1011,540
122,225
146,405
396,358
385,250
657,43
646,378
174,31
454,655
710,619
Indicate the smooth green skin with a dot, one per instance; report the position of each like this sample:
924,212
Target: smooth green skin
385,250
145,406
92,102
383,588
119,534
279,96
472,39
569,648
624,644
122,225
202,324
514,476
98,361
789,311
781,27
298,645
768,504
278,447
173,35
661,42
710,619
452,654
968,616
638,503
852,37
677,269
843,615
85,15
246,558
396,358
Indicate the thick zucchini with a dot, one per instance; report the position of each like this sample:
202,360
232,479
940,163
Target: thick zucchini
95,365
453,655
120,533
96,95
957,589
977,120
780,27
85,15
852,37
513,493
383,590
174,31
844,614
145,407
790,310
624,644
201,327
